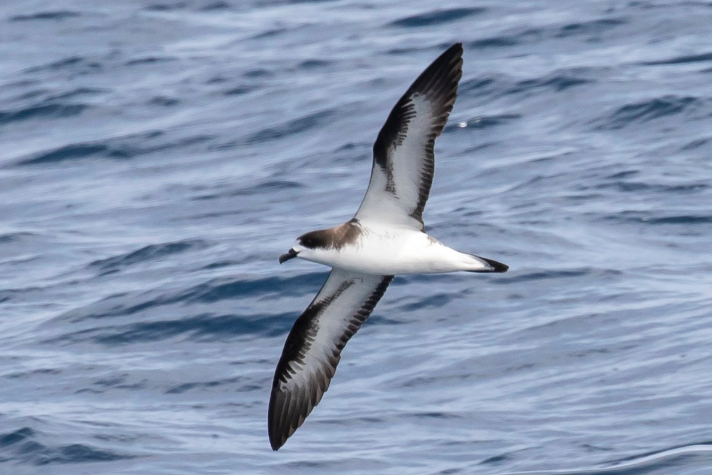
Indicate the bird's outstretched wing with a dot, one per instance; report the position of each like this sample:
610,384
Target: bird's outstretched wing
402,171
313,347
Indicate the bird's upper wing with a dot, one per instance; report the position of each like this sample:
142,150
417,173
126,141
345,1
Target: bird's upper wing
313,347
402,171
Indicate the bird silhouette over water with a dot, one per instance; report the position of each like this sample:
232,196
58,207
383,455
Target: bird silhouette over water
385,237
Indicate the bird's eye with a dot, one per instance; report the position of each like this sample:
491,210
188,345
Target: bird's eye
308,242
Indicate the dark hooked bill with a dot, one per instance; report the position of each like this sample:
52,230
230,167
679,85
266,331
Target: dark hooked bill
291,254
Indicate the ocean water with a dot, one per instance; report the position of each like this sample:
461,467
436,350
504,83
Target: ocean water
159,155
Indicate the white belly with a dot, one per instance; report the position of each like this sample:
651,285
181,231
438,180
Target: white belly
397,251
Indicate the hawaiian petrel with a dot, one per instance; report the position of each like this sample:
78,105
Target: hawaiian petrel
386,237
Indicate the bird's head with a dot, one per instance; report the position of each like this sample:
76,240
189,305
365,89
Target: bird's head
311,246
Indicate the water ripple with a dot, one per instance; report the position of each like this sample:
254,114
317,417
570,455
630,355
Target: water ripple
649,109
146,253
56,15
436,17
23,445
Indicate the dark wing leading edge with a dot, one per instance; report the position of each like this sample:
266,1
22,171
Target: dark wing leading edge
402,171
313,347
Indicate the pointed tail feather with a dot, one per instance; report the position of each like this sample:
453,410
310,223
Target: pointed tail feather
490,265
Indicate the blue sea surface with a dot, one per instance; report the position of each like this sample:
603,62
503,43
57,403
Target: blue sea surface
159,155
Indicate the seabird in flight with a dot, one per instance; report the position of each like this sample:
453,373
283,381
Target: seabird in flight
386,237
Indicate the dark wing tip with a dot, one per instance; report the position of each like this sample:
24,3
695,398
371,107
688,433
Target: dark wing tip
277,437
456,49
276,441
283,417
274,432
288,410
439,82
442,74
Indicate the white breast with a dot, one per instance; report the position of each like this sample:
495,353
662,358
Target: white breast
396,250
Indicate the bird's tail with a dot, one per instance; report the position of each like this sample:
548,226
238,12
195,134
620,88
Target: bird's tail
488,265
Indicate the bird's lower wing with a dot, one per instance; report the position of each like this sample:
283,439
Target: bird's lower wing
314,345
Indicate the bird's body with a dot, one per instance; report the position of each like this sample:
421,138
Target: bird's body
383,249
386,237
